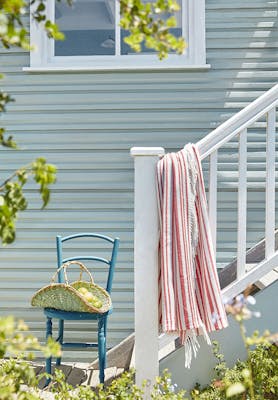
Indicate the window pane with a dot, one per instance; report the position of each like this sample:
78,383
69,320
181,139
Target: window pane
89,27
177,31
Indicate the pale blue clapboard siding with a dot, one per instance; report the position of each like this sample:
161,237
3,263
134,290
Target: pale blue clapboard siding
85,123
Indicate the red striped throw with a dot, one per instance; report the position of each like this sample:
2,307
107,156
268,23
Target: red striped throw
189,292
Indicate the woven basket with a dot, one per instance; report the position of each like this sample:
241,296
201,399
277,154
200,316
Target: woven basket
66,297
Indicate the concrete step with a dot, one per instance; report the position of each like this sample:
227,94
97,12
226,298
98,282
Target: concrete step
254,255
266,280
120,355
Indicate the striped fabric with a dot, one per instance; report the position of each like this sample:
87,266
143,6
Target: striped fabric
189,292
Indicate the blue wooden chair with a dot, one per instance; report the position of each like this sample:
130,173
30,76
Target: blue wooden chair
101,319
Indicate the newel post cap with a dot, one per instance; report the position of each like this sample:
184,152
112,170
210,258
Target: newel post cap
147,151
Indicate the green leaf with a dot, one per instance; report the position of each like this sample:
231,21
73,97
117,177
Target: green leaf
22,176
52,31
44,175
148,20
41,7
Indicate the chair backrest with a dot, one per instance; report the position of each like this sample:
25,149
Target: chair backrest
110,262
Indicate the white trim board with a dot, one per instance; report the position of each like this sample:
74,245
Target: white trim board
43,58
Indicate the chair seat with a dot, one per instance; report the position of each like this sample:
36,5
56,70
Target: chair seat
72,315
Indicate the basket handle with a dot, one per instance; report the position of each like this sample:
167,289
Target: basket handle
66,265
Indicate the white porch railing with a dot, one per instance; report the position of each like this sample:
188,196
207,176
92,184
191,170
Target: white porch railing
147,342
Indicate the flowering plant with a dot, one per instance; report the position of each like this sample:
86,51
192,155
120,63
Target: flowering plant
253,379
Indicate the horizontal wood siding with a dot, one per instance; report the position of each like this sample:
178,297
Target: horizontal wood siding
86,122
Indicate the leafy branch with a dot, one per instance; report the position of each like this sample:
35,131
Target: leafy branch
12,198
39,15
17,347
12,29
5,98
150,24
13,33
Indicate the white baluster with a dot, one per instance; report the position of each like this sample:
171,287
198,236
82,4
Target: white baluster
212,203
270,185
242,204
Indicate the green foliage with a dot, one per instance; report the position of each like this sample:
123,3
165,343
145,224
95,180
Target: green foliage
12,28
16,349
256,378
15,340
165,389
259,372
12,198
122,388
7,142
44,175
4,99
18,379
150,23
13,33
235,382
14,373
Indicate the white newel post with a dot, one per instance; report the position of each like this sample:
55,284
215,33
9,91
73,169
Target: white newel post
145,262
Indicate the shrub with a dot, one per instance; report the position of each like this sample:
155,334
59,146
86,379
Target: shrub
17,348
253,379
235,382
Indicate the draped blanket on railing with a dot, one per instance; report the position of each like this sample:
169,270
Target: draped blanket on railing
189,292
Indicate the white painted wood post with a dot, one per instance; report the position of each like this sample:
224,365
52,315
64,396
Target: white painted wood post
270,185
145,262
242,205
213,197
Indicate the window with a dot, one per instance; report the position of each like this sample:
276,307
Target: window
94,39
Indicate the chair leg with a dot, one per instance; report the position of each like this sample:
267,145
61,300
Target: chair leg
60,338
48,360
105,358
101,348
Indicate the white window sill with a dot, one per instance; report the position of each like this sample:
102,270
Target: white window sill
58,68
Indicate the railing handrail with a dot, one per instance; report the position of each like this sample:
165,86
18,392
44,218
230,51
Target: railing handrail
146,223
241,120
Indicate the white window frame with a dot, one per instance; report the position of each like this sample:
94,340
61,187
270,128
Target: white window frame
193,30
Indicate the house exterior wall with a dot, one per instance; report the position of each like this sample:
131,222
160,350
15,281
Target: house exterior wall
86,122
